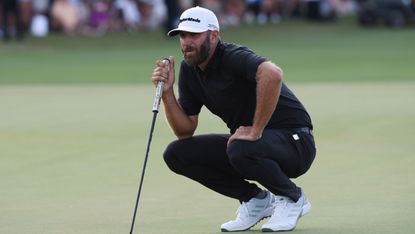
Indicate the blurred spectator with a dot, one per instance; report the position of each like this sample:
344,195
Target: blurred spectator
270,11
291,9
392,13
233,12
66,15
39,25
25,7
173,12
127,15
319,10
10,10
40,6
153,13
343,7
97,17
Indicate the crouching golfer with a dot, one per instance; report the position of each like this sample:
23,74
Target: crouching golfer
270,138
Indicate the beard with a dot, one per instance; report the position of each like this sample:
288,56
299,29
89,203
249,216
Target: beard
199,55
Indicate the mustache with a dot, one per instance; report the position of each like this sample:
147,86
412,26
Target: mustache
188,49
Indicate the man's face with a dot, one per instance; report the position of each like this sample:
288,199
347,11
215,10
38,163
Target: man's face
195,47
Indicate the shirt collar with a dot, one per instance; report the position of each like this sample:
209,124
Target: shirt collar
214,60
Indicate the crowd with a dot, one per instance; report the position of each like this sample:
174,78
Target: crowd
97,17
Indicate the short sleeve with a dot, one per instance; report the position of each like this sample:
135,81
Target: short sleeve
244,62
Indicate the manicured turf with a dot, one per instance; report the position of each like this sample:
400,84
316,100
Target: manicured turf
71,158
75,116
306,51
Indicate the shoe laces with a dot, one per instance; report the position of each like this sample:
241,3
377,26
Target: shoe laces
250,208
279,204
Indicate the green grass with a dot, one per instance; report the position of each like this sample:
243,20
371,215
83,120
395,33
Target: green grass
306,51
71,158
75,116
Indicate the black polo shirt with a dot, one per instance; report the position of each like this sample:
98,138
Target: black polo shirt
227,87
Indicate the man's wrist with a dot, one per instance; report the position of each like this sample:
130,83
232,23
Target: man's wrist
168,94
257,132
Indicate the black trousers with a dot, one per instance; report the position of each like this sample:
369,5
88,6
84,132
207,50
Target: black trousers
271,161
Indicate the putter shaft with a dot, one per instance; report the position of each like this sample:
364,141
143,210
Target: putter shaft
156,105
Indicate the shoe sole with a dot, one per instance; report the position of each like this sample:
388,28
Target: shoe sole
306,209
241,230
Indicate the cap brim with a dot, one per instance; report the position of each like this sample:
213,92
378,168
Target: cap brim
176,31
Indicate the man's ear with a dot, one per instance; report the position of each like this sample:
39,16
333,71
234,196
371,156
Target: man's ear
214,36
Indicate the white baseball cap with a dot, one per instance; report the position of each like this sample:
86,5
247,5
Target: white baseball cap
196,20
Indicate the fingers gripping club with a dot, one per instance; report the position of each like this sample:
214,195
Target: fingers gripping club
159,90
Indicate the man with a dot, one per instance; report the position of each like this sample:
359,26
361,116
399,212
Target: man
10,8
271,133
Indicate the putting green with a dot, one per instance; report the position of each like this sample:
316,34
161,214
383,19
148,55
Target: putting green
71,158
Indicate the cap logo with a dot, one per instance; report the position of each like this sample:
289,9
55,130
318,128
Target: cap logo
212,26
190,19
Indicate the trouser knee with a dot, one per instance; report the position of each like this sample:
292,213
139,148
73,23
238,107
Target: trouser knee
171,156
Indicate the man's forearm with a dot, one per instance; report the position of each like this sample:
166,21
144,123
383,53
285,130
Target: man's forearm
269,82
182,125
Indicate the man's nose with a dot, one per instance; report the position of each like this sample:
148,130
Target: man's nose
186,40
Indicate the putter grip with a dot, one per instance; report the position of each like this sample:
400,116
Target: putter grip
159,91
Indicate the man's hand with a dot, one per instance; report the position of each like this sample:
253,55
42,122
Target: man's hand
246,133
164,72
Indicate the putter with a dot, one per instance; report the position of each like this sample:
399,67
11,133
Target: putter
156,105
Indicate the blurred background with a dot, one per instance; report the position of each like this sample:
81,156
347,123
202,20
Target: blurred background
20,18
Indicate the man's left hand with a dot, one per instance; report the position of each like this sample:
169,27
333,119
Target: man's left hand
246,133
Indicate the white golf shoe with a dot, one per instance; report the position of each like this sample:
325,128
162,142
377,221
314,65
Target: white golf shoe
250,213
286,213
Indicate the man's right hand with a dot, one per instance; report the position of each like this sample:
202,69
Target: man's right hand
164,72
